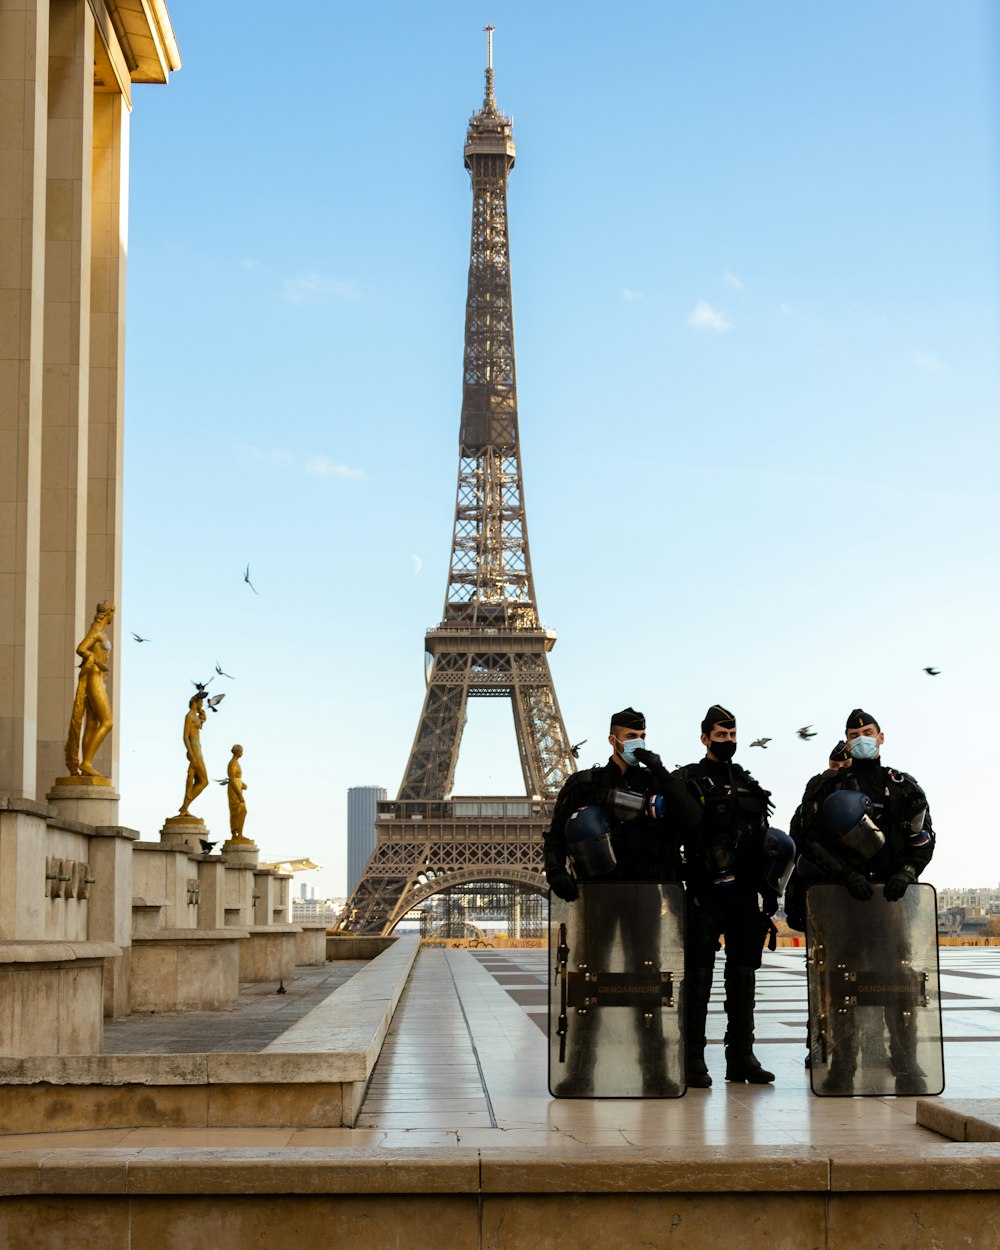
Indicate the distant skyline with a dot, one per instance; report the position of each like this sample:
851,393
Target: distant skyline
756,281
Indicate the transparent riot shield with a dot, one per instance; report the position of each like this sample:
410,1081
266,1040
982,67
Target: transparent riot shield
874,1006
616,962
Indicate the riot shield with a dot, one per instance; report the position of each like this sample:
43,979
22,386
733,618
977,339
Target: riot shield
874,1005
616,960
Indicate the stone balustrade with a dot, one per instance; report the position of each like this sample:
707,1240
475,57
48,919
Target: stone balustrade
314,1074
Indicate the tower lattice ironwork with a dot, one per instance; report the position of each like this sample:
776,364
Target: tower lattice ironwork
490,642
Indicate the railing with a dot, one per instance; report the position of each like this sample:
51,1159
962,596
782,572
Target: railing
461,809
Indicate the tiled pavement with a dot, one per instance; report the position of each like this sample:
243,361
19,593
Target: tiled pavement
458,1045
465,1065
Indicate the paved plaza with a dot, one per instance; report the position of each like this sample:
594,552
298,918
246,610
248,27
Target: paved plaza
465,1062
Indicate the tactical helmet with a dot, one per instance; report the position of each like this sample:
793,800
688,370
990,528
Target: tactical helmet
846,815
779,853
588,837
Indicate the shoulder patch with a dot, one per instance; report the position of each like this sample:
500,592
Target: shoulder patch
897,775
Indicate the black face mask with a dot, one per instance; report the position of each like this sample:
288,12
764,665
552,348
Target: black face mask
723,751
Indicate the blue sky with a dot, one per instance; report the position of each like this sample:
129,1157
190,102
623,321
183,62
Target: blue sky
755,267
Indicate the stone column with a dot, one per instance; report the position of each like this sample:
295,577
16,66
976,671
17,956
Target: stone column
63,612
24,40
109,222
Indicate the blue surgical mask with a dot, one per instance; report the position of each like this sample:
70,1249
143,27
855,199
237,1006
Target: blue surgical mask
629,749
864,748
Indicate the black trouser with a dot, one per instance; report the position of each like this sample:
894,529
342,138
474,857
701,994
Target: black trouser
713,912
729,911
881,942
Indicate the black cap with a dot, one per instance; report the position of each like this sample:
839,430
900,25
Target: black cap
859,718
717,715
840,753
628,718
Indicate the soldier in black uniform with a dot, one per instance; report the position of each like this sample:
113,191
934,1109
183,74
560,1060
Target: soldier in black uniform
649,813
795,895
726,886
899,810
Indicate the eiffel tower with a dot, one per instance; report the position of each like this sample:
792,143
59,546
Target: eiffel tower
489,643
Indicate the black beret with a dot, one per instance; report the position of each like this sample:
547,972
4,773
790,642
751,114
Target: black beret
628,718
859,718
717,715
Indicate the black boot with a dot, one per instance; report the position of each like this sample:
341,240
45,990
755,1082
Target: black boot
903,1053
696,991
578,1077
741,1063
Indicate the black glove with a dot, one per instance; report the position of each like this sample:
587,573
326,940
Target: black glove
655,766
563,885
895,887
859,886
649,758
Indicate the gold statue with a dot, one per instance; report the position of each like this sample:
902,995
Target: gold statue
237,804
90,722
197,773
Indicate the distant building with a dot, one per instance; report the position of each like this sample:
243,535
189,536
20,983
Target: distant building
316,910
984,896
361,802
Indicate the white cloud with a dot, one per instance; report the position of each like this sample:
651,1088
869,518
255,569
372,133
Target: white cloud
930,362
314,288
732,279
321,467
274,455
247,263
630,296
704,317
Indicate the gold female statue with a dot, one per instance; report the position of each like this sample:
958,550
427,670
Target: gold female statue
197,773
237,804
90,722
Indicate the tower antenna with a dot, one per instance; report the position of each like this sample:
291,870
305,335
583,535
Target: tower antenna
490,100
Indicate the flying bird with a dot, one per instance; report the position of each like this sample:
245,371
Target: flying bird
201,688
218,669
206,846
575,749
805,734
221,781
246,578
214,701
139,638
761,742
932,672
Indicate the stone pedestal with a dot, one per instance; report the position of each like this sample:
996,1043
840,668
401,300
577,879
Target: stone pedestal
110,917
186,970
212,892
240,852
269,955
51,997
90,800
186,831
166,876
94,801
310,945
